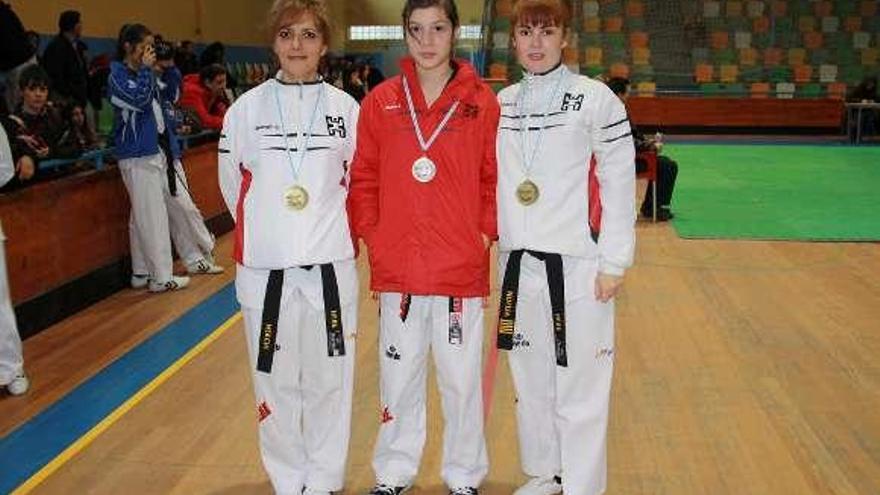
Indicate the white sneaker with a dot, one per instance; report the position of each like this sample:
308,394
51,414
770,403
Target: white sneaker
541,486
139,281
176,283
310,491
202,267
19,385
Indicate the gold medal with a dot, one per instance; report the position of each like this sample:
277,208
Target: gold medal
527,193
296,197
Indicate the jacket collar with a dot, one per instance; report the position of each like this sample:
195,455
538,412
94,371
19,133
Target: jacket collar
539,81
464,81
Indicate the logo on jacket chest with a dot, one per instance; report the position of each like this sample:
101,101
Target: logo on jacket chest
572,102
336,126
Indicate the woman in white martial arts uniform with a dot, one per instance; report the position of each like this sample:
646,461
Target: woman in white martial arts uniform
11,362
284,153
149,161
423,199
560,271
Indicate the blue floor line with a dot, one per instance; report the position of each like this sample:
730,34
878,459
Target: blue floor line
35,443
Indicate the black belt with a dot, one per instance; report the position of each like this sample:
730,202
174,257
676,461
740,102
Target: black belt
165,146
272,308
456,309
510,294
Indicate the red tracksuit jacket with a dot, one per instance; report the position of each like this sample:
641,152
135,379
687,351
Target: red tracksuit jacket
425,238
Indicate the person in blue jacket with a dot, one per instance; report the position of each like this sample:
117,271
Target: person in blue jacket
149,161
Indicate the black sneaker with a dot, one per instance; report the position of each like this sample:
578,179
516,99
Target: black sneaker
464,490
383,489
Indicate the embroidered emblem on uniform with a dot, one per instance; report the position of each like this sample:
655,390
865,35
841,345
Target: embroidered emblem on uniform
605,352
336,126
132,85
263,411
572,102
392,353
386,415
519,340
469,110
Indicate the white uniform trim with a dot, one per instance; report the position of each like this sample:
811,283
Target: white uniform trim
252,141
587,119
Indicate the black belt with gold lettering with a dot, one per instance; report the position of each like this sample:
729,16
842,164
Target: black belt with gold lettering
272,308
456,318
510,294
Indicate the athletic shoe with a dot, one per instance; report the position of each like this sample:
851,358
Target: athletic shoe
139,281
203,267
541,486
383,489
464,490
19,385
176,283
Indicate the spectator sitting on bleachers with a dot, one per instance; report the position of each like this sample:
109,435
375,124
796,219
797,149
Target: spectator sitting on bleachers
36,127
78,136
205,94
64,62
667,168
866,92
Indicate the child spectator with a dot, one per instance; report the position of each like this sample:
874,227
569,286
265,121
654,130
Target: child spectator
78,137
35,127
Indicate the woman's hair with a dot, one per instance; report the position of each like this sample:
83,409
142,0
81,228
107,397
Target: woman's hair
540,13
448,6
286,11
210,72
131,34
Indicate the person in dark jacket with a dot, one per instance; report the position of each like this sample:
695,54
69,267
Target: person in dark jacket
64,61
667,168
16,52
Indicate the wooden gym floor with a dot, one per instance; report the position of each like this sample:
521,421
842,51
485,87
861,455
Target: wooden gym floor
741,368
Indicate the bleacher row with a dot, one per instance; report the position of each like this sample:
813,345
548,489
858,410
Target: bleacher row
788,48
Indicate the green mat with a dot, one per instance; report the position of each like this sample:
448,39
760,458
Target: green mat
804,193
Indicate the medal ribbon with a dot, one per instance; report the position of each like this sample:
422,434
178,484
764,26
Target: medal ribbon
415,119
304,139
528,161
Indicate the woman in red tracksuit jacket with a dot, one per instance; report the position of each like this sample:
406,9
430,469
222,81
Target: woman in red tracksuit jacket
423,199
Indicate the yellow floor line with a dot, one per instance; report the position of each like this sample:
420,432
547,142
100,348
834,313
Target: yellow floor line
84,441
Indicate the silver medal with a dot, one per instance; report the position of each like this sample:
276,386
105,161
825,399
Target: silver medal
424,170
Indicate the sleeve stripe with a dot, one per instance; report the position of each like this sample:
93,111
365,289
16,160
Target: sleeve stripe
618,138
609,126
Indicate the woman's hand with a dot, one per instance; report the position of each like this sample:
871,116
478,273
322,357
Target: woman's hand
607,287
